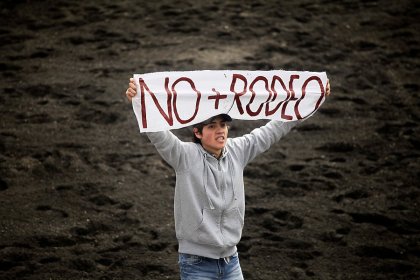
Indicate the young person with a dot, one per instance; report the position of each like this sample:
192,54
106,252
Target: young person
209,203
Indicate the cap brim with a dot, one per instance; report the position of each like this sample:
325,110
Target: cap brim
225,118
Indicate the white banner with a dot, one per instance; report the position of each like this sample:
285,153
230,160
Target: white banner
169,100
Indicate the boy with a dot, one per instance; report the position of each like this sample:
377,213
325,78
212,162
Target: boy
209,203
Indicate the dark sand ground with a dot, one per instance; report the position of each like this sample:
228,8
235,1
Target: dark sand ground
84,196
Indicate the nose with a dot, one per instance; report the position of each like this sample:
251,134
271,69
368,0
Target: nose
220,129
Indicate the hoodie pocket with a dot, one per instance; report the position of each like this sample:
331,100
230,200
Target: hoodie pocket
232,224
208,232
219,228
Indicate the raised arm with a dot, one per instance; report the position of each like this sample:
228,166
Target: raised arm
171,149
260,139
167,144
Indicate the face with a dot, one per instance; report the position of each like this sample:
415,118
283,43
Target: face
214,136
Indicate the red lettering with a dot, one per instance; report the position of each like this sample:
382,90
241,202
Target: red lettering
217,98
269,112
197,102
305,84
238,94
167,117
272,95
291,97
251,88
292,92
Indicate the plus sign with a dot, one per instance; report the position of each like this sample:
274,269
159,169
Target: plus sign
217,97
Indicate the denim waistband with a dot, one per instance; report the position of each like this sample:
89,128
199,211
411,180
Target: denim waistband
225,259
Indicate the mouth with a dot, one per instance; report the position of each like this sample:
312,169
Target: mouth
220,139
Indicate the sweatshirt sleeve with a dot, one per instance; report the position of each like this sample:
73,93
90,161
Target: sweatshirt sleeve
171,149
261,139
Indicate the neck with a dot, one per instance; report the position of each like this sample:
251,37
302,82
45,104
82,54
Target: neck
216,153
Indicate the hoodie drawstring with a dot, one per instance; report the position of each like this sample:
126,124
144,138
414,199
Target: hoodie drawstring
232,174
205,181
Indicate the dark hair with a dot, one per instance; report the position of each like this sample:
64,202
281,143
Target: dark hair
199,127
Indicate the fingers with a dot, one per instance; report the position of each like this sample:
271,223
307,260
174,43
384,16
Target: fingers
130,93
131,90
328,89
131,84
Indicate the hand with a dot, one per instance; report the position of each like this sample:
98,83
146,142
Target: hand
328,89
131,90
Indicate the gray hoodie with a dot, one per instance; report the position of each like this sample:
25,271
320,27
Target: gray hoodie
209,203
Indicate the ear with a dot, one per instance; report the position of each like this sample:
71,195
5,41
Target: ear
197,133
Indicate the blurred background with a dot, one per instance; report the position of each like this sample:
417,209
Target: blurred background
84,195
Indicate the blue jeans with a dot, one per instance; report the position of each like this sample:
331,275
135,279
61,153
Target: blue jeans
200,268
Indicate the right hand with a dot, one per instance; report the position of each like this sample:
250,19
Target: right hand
131,90
328,89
